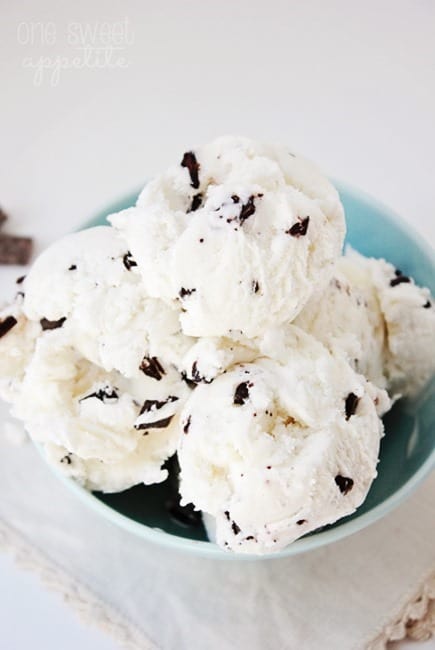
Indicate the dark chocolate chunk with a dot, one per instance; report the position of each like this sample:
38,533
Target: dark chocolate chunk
7,324
190,162
15,250
21,279
66,460
235,198
301,521
248,209
106,395
51,324
255,286
3,217
152,367
196,202
235,528
158,424
155,405
427,305
241,393
196,376
73,267
299,229
185,292
187,425
188,381
399,279
344,483
351,404
128,261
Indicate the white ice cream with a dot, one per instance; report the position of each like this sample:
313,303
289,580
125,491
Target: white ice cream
274,450
91,280
101,418
239,235
346,317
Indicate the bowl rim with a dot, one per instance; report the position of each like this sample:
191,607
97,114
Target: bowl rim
210,550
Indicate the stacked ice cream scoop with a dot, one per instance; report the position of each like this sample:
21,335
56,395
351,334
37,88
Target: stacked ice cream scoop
218,320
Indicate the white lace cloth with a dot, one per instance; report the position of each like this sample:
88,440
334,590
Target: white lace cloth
358,593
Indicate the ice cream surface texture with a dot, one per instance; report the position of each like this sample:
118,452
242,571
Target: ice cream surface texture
275,449
239,234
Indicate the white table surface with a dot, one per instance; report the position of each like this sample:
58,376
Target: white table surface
351,85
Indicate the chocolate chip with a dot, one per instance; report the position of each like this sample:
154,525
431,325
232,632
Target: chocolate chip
15,250
189,161
301,521
66,460
344,483
106,395
152,367
196,202
155,405
73,267
250,537
427,305
201,241
268,466
351,404
235,198
187,425
196,376
227,515
235,528
188,381
299,229
128,261
7,324
158,424
185,292
255,286
20,280
400,279
241,393
51,324
248,209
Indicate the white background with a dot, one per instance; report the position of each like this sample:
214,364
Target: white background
349,84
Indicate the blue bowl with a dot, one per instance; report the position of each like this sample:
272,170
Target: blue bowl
407,451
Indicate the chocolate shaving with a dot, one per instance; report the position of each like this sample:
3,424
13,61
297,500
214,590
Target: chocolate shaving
158,424
73,267
189,161
351,404
188,381
399,279
15,250
103,395
241,393
248,209
187,425
155,405
250,537
255,286
344,483
227,515
51,324
300,228
66,459
20,280
196,376
235,198
152,367
301,521
185,292
235,528
128,261
196,202
427,305
7,324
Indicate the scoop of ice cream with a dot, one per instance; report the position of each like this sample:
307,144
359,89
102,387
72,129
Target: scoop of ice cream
346,317
17,343
273,450
102,418
409,314
88,283
239,234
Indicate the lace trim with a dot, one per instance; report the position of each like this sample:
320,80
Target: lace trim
87,605
417,620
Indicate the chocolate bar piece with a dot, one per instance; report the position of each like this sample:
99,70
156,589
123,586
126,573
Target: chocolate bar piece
15,250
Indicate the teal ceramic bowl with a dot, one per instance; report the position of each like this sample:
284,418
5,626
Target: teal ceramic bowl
407,450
